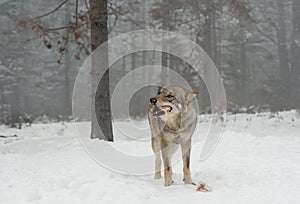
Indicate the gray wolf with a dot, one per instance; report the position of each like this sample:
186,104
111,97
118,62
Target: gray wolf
172,118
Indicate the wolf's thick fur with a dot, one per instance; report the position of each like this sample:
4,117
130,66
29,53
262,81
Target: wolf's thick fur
172,128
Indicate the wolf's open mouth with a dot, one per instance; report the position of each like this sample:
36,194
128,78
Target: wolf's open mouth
166,108
158,111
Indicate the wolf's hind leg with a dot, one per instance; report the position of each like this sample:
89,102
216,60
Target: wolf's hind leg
186,151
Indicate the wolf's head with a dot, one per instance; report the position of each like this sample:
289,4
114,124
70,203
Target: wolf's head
171,102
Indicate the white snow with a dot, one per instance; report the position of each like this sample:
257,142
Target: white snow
256,161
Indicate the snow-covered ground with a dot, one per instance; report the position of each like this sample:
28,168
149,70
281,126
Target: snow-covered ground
256,161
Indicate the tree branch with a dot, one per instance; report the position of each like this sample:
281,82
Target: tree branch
265,35
123,14
54,10
76,12
57,28
86,5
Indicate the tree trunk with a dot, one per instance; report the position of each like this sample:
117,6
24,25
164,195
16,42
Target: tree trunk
67,65
214,36
165,26
207,34
2,117
144,61
15,109
67,89
101,111
282,48
243,75
295,55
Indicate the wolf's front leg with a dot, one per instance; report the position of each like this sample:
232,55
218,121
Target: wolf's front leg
156,150
167,172
167,164
157,174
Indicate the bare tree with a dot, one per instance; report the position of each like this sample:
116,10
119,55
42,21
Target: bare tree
100,92
93,21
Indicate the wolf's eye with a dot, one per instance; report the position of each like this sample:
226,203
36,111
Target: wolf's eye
170,98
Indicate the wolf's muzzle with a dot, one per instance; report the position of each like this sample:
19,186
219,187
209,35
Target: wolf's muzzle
157,111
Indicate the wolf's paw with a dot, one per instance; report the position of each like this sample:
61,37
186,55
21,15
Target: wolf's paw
188,181
168,182
157,175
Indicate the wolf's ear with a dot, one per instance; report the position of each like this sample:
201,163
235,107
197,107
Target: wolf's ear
191,95
160,89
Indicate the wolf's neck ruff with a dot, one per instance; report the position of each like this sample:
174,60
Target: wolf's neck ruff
180,123
171,129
